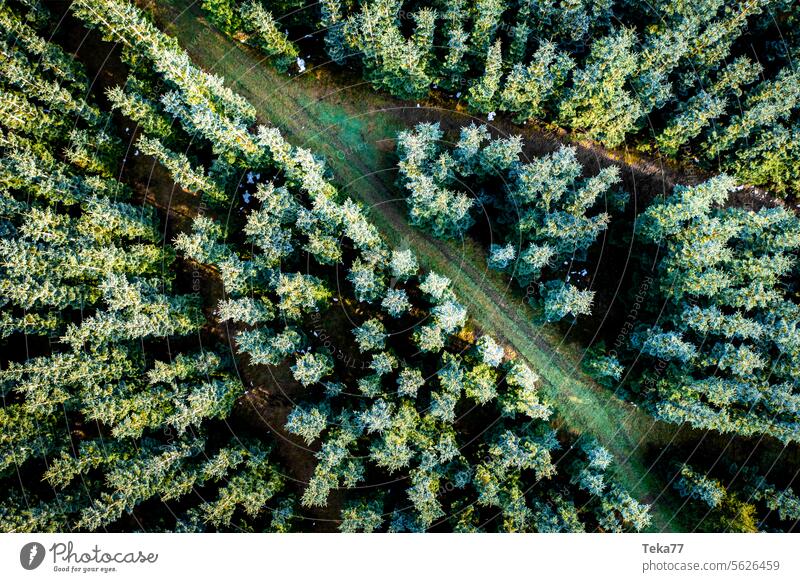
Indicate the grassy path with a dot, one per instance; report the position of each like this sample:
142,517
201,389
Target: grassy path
354,128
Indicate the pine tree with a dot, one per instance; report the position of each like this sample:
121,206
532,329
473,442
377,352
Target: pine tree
562,299
546,204
530,89
224,14
486,19
455,64
192,179
722,272
482,95
331,20
310,368
699,111
770,102
700,487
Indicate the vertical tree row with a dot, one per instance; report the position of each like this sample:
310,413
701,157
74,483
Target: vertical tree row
103,413
679,77
543,208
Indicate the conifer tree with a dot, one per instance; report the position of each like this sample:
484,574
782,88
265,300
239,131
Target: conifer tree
599,101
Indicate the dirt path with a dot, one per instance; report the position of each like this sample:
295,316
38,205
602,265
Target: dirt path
354,128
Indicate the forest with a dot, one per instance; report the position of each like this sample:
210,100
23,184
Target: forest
709,80
208,326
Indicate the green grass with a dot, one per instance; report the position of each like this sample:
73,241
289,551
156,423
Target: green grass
353,127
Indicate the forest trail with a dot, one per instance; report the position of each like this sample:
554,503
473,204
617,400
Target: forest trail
353,127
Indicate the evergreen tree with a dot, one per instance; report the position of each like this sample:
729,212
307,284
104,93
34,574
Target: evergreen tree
723,273
530,89
332,22
265,34
599,101
486,19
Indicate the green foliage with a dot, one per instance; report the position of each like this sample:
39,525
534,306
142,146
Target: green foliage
481,96
409,381
120,420
363,516
188,177
367,284
668,75
371,335
403,264
307,423
777,504
391,62
599,100
607,369
700,487
400,405
224,14
265,34
486,18
331,20
144,112
734,516
545,206
695,114
619,510
396,302
310,368
529,90
128,414
490,351
725,337
562,299
455,64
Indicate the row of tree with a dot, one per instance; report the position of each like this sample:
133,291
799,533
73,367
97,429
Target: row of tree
725,351
398,423
723,354
738,262
681,78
